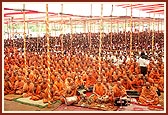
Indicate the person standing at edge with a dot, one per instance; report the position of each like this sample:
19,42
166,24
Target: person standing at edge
143,62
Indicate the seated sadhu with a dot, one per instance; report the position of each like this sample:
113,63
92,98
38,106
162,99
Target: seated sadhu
18,87
100,92
44,91
58,89
70,88
104,81
119,90
109,87
79,82
161,84
138,82
7,89
115,76
90,81
154,74
37,93
126,82
149,95
28,88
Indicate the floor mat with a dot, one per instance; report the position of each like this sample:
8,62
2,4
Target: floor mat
11,97
27,101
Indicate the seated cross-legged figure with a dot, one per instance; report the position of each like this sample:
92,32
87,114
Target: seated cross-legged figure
149,95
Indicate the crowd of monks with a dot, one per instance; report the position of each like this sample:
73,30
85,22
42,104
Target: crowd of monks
81,41
109,77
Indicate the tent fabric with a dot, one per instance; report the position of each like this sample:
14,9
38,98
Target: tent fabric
36,12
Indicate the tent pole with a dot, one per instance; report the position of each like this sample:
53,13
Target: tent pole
8,24
88,35
126,28
111,35
131,33
27,29
13,32
62,29
24,35
143,27
149,28
118,26
90,44
94,27
139,30
100,41
161,25
48,56
55,35
85,26
9,28
158,24
37,36
71,37
153,34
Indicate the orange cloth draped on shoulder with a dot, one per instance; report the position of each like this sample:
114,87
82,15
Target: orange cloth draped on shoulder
37,95
56,92
38,89
149,96
124,72
32,76
137,84
63,77
84,76
154,74
131,69
90,81
111,72
40,79
119,92
70,88
12,80
18,86
60,85
25,87
95,74
45,95
161,84
79,82
127,84
6,87
99,90
120,74
115,76
137,70
53,77
6,67
162,69
31,89
150,80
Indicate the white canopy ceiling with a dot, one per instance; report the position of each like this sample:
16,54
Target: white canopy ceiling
37,10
